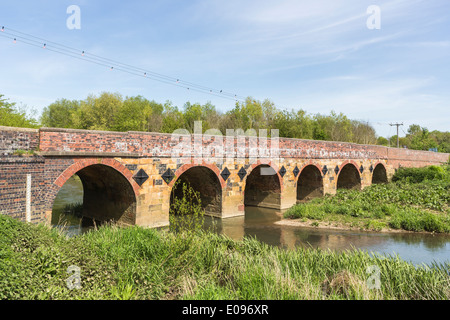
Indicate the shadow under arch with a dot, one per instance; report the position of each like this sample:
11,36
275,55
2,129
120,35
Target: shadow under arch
309,183
263,188
204,181
379,174
108,195
349,177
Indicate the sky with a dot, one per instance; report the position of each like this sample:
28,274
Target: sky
384,66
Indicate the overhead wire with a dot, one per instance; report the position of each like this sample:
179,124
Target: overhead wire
18,36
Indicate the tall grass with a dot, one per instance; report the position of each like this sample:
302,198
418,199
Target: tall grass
138,263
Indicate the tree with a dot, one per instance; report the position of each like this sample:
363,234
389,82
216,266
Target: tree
172,118
363,133
134,114
420,139
98,113
382,141
59,114
13,116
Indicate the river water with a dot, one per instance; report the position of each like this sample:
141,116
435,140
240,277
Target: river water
260,223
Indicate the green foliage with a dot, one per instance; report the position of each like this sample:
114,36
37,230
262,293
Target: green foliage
60,114
21,152
140,263
112,112
420,138
186,213
416,175
417,200
14,116
382,141
416,220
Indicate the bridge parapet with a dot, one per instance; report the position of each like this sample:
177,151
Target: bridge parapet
162,145
13,139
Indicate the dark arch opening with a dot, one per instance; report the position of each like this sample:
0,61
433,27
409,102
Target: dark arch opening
309,184
263,188
349,178
204,181
379,174
107,196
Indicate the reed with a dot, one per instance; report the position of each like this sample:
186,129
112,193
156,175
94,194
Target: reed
139,263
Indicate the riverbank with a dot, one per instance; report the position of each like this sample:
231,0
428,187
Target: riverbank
417,200
137,263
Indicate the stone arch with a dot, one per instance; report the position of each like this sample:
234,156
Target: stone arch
379,174
109,192
263,186
348,176
203,179
309,183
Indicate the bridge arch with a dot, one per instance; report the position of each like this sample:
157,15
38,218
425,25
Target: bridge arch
349,176
263,186
204,179
109,192
309,183
379,174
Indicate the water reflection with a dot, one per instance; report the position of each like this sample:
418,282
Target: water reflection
259,223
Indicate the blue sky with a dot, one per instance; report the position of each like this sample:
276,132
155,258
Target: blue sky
313,55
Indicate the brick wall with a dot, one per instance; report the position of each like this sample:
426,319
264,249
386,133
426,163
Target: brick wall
162,145
12,139
13,186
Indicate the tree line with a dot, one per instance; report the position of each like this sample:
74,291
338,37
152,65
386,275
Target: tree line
113,112
110,111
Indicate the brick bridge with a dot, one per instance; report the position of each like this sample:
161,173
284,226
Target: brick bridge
130,177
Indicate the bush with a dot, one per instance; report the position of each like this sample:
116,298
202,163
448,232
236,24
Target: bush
416,175
415,220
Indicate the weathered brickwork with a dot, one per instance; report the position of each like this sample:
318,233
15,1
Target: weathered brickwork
146,166
13,139
13,188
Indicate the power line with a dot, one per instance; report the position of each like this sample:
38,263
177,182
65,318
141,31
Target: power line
22,37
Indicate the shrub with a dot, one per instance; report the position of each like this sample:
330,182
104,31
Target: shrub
416,175
415,220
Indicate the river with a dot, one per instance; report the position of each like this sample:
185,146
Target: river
260,223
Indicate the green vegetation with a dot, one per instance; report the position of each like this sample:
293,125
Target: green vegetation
21,152
13,116
417,199
139,263
112,112
186,213
420,138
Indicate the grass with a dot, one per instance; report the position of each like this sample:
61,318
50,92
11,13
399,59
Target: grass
417,199
22,152
138,263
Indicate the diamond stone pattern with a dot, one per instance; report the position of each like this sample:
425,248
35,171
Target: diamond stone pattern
168,176
296,171
242,173
282,171
140,177
225,173
336,170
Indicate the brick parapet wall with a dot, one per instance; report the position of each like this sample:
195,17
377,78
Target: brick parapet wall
13,139
163,145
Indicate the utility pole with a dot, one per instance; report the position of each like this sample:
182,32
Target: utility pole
397,124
